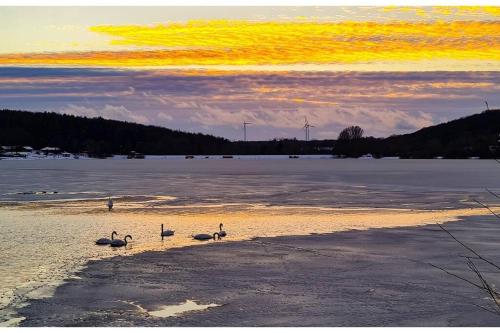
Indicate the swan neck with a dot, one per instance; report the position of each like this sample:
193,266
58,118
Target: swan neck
125,239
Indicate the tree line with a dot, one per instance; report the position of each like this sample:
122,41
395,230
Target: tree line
102,137
473,136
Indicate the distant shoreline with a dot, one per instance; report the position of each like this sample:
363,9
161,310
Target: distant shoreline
219,157
159,157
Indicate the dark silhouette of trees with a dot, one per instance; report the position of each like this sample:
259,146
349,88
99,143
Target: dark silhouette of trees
466,137
472,136
348,142
351,133
101,137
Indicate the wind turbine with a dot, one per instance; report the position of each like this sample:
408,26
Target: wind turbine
487,106
306,127
245,130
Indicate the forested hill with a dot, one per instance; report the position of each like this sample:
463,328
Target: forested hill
100,136
472,136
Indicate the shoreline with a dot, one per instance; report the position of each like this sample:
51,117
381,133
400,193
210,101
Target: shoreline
270,222
38,157
377,272
81,156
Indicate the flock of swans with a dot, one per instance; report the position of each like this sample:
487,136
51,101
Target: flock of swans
164,233
113,242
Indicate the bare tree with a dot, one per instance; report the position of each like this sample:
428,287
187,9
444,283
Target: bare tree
482,282
351,133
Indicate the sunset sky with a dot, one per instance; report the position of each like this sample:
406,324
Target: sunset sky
389,70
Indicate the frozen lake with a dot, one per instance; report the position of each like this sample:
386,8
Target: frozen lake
331,182
51,211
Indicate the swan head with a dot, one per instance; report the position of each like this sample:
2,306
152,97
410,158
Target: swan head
125,239
220,226
113,234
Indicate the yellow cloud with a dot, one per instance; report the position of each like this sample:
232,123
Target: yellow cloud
457,11
240,34
226,42
491,10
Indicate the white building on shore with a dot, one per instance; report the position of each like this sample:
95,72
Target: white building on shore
51,150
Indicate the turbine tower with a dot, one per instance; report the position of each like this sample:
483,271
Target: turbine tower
487,106
245,130
307,127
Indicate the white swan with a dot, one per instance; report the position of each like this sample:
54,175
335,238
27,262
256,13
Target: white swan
110,204
222,233
203,237
166,233
119,242
106,241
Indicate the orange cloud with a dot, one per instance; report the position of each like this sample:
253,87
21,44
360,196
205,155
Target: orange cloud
223,42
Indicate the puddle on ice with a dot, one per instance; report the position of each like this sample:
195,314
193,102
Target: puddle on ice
176,310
